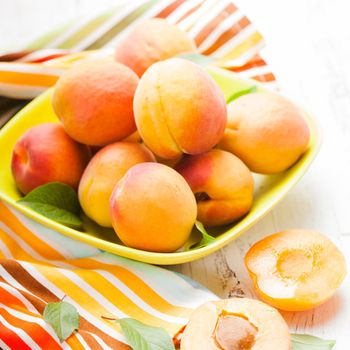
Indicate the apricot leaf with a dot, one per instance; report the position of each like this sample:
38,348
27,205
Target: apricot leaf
63,318
309,342
206,237
241,93
144,337
56,201
201,60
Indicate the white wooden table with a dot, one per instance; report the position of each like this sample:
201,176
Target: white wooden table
308,46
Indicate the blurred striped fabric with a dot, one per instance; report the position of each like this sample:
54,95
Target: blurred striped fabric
38,265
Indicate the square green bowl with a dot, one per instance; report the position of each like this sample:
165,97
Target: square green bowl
269,190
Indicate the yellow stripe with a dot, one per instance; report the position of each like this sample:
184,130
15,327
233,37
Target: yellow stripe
27,79
139,287
13,223
243,47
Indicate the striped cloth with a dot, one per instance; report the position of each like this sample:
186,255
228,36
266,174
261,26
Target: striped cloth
38,265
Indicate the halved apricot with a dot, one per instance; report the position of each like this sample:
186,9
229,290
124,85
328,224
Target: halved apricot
295,270
236,324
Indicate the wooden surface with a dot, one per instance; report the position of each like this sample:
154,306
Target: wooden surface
308,46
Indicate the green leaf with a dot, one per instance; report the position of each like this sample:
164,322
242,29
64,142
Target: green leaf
63,318
144,337
206,237
241,93
57,201
309,342
197,58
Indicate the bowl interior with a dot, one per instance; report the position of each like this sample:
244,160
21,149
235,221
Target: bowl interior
269,190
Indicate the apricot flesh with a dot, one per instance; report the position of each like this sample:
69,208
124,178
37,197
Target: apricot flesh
295,270
266,131
93,100
222,184
236,324
45,153
152,208
152,41
103,172
179,109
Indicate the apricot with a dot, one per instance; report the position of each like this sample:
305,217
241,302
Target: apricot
266,131
179,109
152,41
236,324
103,172
295,270
45,153
222,184
93,100
153,208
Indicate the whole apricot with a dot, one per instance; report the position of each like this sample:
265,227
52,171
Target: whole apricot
153,208
266,131
93,100
45,153
236,324
295,270
179,109
103,172
222,184
151,41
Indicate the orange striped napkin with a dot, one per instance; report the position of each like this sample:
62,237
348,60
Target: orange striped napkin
39,265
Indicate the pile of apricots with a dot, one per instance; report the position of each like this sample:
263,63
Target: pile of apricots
151,147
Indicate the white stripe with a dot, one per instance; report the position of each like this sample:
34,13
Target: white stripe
108,24
100,341
10,289
3,346
138,301
40,54
32,68
223,26
187,296
5,250
82,341
10,280
182,9
205,20
159,6
20,91
271,85
77,280
22,334
254,71
235,41
188,21
37,320
60,294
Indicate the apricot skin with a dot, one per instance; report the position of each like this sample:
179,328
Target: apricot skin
271,330
226,181
266,131
152,41
94,99
295,270
153,208
103,172
179,109
45,153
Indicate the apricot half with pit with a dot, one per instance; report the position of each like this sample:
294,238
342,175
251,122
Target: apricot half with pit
295,270
236,324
